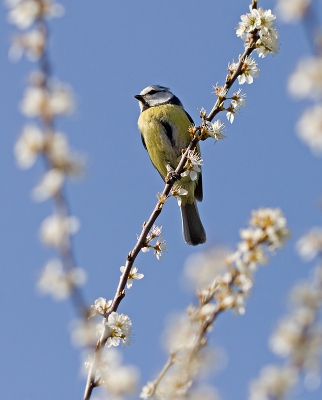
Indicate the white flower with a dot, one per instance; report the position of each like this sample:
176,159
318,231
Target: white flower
309,128
59,283
133,275
273,223
292,10
192,167
32,43
310,245
54,230
24,13
30,143
264,20
50,185
216,129
306,81
60,155
273,383
100,307
121,380
120,328
238,99
249,71
159,248
177,191
38,102
147,390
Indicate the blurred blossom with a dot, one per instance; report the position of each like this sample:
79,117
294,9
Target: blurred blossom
147,390
273,383
180,333
203,267
39,102
60,156
309,128
121,380
100,307
307,295
204,392
30,143
292,10
273,223
310,245
58,283
55,230
33,43
306,81
49,186
134,275
83,332
24,13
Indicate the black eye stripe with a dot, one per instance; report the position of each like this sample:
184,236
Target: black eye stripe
152,92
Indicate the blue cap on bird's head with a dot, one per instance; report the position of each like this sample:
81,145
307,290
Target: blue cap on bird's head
156,95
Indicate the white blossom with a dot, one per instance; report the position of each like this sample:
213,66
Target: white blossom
55,230
24,13
28,146
216,129
49,186
177,192
32,43
59,283
306,81
133,275
310,245
100,307
39,102
309,128
192,167
120,328
292,10
249,70
147,390
273,383
159,248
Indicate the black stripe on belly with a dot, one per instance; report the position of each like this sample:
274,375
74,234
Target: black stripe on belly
168,131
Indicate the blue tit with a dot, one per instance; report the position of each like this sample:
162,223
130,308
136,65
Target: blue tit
164,124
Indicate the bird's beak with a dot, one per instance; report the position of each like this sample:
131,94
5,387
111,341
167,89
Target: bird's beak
139,97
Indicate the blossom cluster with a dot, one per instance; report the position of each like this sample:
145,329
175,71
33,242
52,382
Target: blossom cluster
45,100
261,23
223,281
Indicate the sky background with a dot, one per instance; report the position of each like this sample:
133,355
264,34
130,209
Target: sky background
109,51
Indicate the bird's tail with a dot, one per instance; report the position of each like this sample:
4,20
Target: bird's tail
192,229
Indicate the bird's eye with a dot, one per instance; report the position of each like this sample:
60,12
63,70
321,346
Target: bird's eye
152,92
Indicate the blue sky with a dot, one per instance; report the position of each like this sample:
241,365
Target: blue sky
108,52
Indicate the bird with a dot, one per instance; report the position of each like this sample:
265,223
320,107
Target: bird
164,124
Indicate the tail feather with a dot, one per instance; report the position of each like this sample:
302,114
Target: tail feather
192,229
